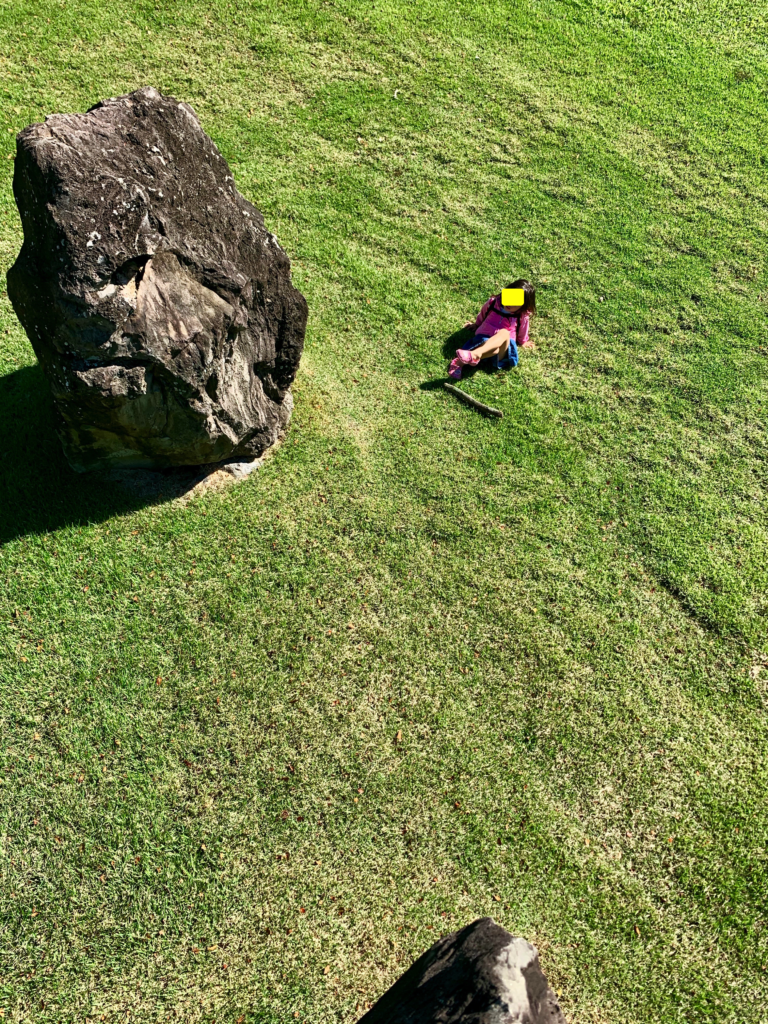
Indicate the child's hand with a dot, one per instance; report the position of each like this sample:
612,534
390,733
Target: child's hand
469,323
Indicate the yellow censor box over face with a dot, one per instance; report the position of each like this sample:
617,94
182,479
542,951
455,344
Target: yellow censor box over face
512,296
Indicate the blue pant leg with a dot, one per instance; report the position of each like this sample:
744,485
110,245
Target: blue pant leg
510,358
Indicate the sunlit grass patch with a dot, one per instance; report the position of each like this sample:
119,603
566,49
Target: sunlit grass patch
259,749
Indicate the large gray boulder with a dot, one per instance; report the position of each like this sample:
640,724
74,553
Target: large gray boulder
479,975
159,306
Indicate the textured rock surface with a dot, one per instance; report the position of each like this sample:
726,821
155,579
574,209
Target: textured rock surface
159,306
479,975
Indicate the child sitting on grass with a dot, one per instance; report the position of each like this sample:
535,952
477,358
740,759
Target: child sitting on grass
499,331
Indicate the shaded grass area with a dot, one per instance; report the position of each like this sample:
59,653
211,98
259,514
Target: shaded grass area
259,750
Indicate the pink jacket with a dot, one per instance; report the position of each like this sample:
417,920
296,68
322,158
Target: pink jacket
488,321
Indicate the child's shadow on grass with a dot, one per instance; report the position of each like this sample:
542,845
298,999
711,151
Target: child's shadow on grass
456,340
39,492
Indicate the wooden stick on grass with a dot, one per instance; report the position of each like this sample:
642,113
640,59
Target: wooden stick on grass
487,409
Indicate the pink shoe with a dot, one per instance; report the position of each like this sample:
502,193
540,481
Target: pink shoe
466,357
454,370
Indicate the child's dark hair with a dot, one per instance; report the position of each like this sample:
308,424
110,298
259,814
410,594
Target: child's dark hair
529,303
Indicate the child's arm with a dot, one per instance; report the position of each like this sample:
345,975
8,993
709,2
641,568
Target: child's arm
481,315
522,330
523,340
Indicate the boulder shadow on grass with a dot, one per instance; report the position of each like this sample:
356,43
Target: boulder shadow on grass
40,492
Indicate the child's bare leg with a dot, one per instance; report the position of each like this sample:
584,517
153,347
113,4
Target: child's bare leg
495,345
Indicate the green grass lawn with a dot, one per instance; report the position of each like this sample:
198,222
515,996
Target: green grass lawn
259,750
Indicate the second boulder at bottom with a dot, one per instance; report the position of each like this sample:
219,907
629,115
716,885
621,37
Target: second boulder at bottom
479,975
